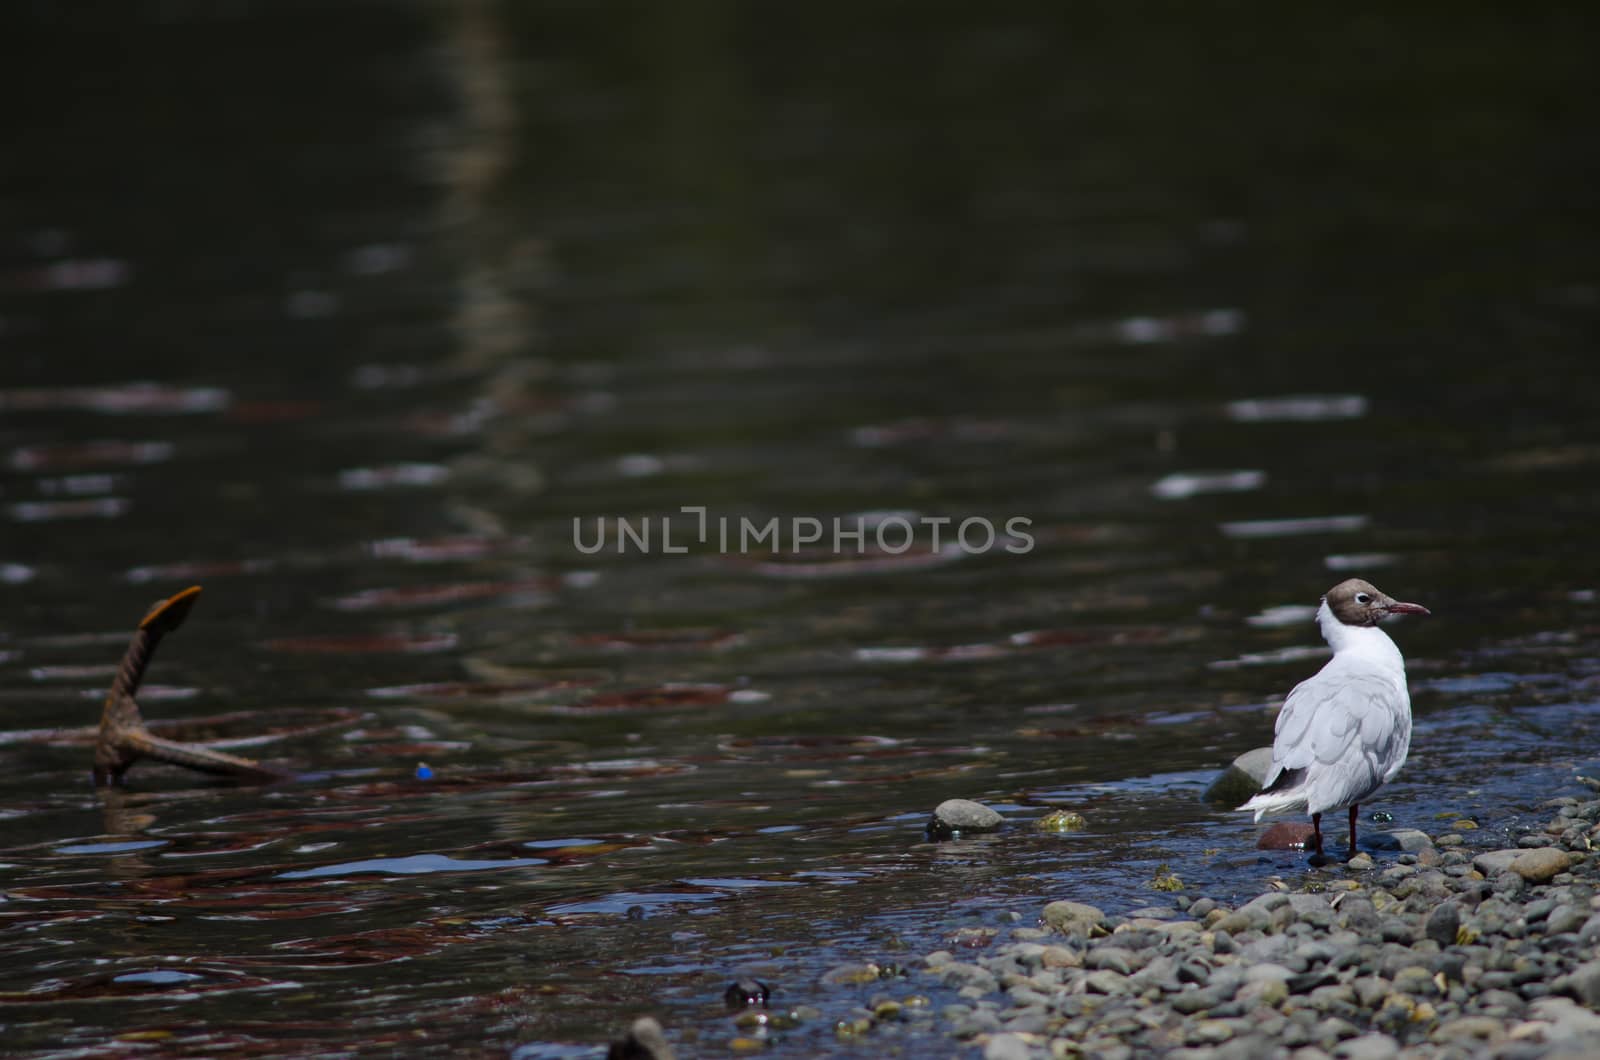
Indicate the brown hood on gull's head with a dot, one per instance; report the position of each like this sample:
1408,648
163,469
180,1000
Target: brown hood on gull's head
1360,603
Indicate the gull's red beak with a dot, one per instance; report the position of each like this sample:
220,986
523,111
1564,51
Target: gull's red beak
1398,608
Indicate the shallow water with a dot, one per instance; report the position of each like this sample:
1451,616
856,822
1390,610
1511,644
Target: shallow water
354,349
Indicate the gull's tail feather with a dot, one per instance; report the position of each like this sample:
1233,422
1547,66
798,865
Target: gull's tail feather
1282,794
1275,802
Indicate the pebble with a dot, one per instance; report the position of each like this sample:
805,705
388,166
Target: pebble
855,974
1367,1047
1492,863
1443,924
1007,1047
1074,918
1537,866
952,817
1566,919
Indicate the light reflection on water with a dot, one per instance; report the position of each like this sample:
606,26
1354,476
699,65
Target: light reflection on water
614,288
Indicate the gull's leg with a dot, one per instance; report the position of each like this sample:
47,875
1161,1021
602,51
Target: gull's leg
1352,831
1316,840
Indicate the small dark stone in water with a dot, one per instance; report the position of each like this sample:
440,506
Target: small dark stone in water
746,993
644,1041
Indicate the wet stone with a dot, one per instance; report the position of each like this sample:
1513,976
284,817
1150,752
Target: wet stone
745,993
953,817
1406,840
1074,918
1285,835
1061,821
644,1041
1242,779
856,974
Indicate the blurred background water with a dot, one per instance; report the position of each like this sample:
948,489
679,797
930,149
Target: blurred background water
348,312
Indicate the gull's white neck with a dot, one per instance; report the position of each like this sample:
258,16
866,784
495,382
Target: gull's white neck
1367,644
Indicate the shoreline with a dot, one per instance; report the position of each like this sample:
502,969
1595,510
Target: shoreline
1451,950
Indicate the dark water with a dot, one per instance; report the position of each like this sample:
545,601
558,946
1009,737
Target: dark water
347,315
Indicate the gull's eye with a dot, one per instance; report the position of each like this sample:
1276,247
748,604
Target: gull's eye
1363,598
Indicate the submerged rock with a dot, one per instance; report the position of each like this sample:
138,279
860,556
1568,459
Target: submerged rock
1242,779
1061,821
644,1041
745,993
1285,835
952,817
852,974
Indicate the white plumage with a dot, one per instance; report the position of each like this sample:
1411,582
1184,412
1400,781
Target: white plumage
1345,732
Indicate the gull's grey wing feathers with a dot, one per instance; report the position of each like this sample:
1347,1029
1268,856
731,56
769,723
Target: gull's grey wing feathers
1344,732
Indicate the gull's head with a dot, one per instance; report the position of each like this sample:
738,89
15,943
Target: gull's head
1360,603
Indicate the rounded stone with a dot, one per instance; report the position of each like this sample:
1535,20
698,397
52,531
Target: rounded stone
1074,918
952,817
745,993
1374,1046
1539,865
1242,779
1443,924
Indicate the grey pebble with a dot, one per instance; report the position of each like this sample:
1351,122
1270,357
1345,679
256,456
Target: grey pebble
1113,958
1566,918
1508,883
1007,1047
955,816
1582,983
1106,981
1443,924
1493,862
1373,1046
1416,981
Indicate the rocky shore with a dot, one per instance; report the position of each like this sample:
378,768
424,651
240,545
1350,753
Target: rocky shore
1441,949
